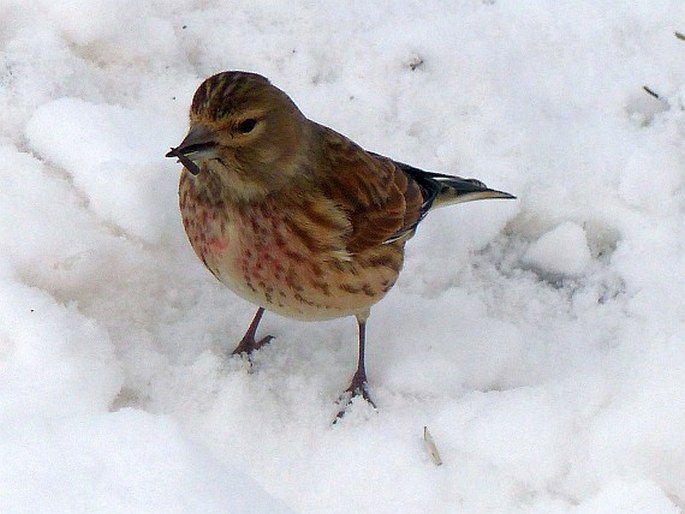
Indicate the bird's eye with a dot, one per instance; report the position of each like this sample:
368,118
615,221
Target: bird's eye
247,125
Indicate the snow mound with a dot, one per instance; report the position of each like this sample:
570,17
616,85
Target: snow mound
562,251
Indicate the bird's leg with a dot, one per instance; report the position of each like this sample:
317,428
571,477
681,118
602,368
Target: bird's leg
359,385
248,344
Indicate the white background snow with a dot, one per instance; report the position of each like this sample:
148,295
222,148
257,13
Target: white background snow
541,340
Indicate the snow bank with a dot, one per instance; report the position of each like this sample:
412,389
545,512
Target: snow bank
540,340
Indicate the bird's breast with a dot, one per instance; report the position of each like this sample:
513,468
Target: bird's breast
286,258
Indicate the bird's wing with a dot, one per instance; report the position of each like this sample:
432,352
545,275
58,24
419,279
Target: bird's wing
439,190
381,201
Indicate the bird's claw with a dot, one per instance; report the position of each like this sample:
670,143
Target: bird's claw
358,387
248,345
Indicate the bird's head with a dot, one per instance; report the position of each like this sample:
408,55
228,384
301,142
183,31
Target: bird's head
244,132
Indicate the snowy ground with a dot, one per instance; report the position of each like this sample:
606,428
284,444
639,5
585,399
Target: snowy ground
542,340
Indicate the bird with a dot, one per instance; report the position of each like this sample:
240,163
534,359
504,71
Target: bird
295,217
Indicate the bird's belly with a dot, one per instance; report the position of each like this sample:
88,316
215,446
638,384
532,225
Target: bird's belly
261,259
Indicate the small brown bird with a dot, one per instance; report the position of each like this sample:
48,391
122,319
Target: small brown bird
293,216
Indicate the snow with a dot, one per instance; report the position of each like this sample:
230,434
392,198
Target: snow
562,251
105,463
540,340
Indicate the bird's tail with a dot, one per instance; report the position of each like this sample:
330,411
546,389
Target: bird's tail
440,190
457,190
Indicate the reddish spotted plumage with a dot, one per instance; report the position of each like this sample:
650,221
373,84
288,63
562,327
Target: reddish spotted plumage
300,257
293,216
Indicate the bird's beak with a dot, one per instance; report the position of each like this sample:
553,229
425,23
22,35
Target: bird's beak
198,145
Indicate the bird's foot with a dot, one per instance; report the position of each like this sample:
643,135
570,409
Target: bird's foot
248,344
358,387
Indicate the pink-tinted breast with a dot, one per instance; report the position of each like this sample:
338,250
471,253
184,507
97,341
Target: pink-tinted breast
260,253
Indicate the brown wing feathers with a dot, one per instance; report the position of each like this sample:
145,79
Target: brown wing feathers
379,198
